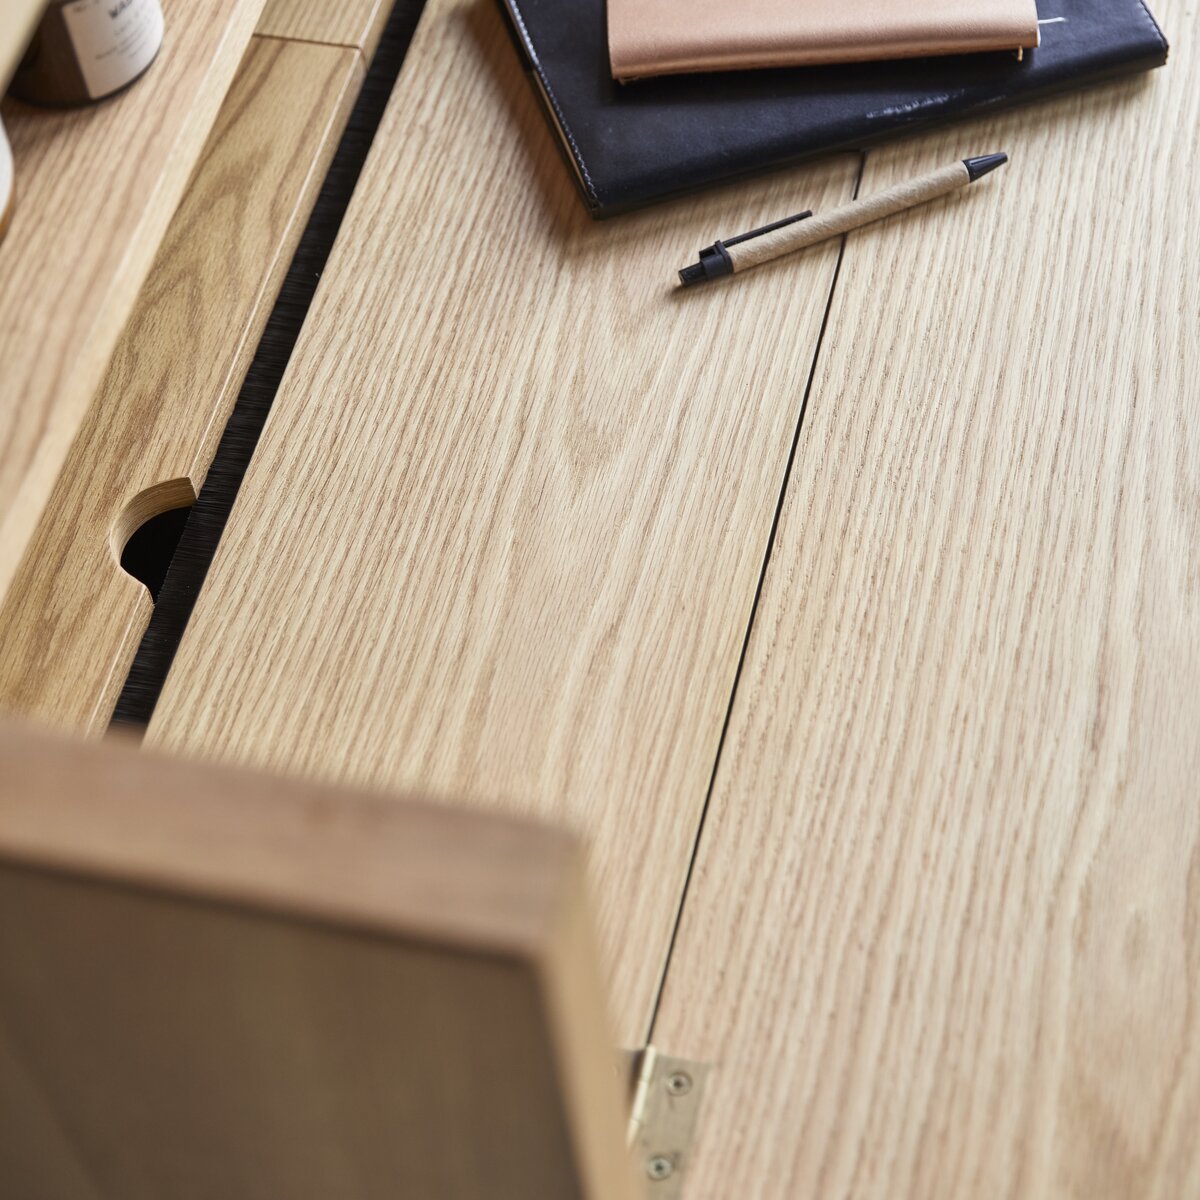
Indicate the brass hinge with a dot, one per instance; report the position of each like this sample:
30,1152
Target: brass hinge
664,1105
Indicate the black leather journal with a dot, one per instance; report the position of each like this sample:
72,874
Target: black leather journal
635,143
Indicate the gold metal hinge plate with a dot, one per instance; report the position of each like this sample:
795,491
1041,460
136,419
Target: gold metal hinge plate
664,1106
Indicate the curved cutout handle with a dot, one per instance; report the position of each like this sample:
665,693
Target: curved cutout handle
148,503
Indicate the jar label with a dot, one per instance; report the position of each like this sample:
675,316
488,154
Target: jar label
114,40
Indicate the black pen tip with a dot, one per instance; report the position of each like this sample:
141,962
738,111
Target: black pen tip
693,274
985,163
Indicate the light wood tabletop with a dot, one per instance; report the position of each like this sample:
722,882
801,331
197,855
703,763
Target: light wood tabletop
502,533
944,926
513,522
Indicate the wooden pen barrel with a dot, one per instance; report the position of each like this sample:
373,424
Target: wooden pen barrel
892,200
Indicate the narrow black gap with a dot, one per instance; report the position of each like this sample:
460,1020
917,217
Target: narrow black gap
148,553
762,576
206,520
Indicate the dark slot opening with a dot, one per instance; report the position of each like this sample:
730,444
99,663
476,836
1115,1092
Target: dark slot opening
205,522
148,553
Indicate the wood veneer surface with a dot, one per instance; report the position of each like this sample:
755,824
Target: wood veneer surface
72,618
943,935
97,187
503,530
214,983
356,23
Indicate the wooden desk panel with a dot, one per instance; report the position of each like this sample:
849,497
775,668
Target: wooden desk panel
219,984
72,619
943,937
96,190
503,530
356,23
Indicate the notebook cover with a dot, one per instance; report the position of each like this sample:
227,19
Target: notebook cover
636,143
669,37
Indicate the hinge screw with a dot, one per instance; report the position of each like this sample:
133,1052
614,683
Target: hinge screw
659,1166
679,1083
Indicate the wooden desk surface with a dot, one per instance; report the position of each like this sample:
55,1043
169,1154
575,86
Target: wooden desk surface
944,927
503,537
517,532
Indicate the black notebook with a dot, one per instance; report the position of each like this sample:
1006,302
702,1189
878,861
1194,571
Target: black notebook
635,143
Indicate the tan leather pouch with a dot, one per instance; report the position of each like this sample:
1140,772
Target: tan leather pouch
669,37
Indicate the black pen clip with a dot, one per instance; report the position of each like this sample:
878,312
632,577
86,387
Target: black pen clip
715,261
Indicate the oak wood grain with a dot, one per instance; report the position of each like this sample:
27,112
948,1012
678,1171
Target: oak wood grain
943,936
72,618
97,188
214,983
355,23
501,535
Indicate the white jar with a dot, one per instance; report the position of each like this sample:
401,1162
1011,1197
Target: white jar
6,183
85,50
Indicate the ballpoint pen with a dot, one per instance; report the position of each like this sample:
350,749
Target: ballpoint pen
803,229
